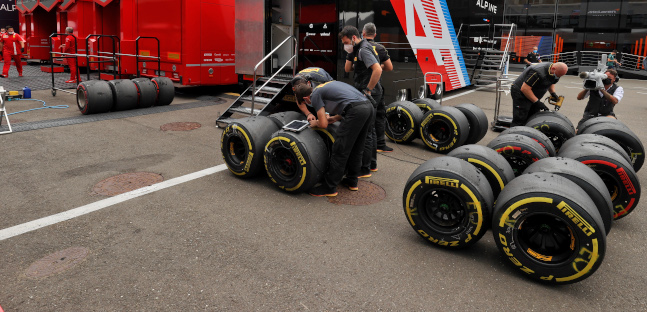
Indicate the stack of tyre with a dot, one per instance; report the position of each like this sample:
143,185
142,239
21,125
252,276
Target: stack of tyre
294,161
101,96
441,128
549,211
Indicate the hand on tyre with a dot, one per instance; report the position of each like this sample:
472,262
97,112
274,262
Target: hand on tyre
311,117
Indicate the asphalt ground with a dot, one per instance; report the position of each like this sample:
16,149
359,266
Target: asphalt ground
221,243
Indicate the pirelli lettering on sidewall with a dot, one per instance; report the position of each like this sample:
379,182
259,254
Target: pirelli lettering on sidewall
442,182
576,218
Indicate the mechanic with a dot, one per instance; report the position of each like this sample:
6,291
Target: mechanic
367,80
356,113
12,45
312,76
530,86
602,101
70,47
533,57
612,62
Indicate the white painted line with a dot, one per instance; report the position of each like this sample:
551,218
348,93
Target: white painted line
641,92
77,212
457,95
573,87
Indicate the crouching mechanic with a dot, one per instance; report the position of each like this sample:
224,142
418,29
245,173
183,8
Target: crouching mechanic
356,113
528,89
312,76
602,101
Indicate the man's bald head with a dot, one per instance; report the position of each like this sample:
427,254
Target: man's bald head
559,69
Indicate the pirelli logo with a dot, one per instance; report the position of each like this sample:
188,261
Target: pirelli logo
442,182
626,181
576,218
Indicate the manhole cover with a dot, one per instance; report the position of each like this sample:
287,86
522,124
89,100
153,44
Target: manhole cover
125,183
57,262
180,126
367,194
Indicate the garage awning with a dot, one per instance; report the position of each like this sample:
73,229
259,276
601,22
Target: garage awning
48,5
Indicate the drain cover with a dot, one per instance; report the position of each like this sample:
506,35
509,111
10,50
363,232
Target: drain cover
125,183
180,126
367,194
57,262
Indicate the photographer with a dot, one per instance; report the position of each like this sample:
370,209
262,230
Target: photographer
530,86
602,100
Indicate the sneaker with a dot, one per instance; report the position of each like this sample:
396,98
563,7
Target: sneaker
322,190
71,81
364,174
384,149
351,184
19,75
373,167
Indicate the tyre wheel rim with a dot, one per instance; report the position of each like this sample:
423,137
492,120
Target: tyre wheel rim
439,131
557,138
518,164
443,211
546,238
237,150
612,185
80,99
284,163
399,124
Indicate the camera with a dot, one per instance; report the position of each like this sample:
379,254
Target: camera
593,79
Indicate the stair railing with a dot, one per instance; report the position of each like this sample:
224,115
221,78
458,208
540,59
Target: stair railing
293,59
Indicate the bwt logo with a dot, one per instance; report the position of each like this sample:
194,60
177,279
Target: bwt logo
8,7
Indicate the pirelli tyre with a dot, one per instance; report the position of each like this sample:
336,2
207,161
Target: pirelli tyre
581,127
555,114
626,138
402,121
328,135
585,139
444,129
554,128
618,175
146,92
536,135
426,104
296,161
94,97
585,178
448,202
242,144
124,94
519,150
494,167
165,91
552,232
283,118
477,120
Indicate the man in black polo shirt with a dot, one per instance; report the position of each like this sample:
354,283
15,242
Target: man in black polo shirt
312,76
344,103
533,57
530,87
602,101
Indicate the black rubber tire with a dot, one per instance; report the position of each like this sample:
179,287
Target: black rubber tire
551,231
495,167
477,120
444,129
296,161
242,144
165,91
94,97
402,121
536,135
553,113
448,183
554,128
519,150
593,121
585,178
626,138
588,138
146,92
283,118
439,92
328,135
124,94
618,175
426,104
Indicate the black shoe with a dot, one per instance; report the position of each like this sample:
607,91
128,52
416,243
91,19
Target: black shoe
384,149
322,190
351,184
364,173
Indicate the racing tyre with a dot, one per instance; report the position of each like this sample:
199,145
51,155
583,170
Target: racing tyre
296,161
426,104
402,121
554,128
448,202
477,120
618,175
622,135
581,127
283,118
94,97
165,90
146,92
552,232
555,114
328,135
494,167
444,129
519,150
584,139
242,143
585,178
124,94
536,135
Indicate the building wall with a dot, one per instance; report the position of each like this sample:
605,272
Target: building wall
8,13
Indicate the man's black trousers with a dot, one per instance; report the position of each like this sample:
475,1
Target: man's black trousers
522,108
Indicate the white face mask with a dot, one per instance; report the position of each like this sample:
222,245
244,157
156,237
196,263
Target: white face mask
348,48
11,32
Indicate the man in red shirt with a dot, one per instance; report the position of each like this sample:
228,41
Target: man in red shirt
11,44
70,47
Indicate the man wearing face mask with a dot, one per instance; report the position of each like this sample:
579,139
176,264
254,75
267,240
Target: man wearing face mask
367,80
311,76
528,89
602,101
11,45
533,57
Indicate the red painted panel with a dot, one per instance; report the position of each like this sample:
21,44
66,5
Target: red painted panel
217,43
66,4
103,2
163,19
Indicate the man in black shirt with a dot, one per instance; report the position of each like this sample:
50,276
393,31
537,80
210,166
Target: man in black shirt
533,57
346,104
530,87
312,76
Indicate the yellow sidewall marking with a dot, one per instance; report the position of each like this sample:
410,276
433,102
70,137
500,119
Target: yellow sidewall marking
594,259
303,178
332,139
413,187
489,168
477,204
516,205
